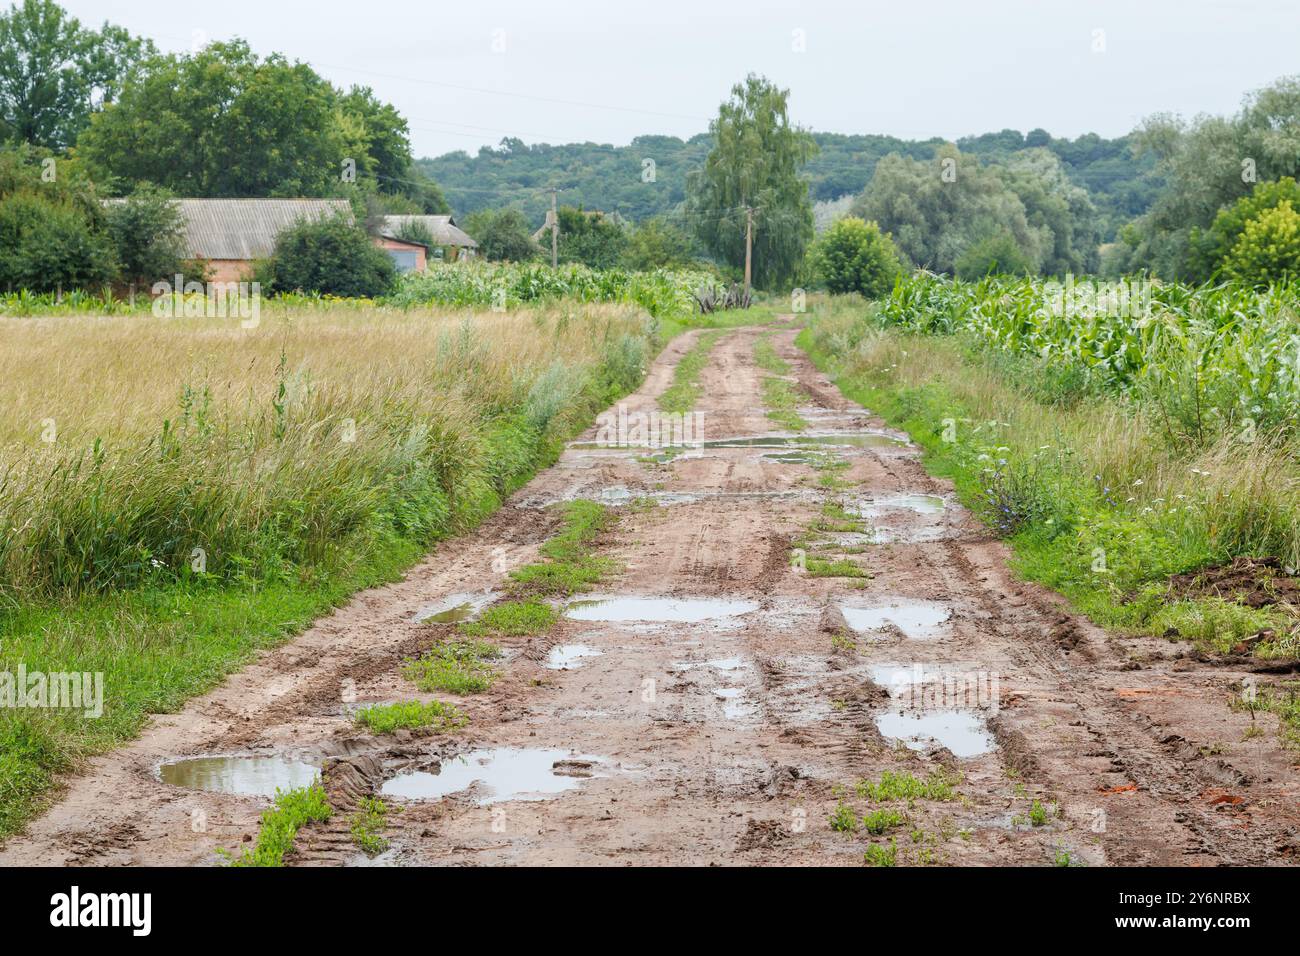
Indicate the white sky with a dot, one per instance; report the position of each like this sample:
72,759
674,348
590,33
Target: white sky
608,71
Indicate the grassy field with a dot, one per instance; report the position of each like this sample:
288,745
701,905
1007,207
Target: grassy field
178,494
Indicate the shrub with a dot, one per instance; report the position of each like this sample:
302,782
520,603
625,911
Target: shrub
502,235
1268,251
148,233
332,257
855,256
997,253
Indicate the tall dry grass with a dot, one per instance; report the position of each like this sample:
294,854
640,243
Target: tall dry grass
133,447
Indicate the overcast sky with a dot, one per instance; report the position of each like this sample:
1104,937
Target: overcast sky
467,73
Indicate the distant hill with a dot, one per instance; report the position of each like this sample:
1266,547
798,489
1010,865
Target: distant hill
609,178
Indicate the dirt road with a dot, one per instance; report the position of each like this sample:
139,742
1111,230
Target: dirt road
689,732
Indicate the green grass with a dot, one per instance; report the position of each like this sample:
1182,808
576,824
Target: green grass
571,566
411,715
292,810
457,667
879,854
781,399
513,619
837,568
904,786
767,358
680,397
886,818
368,825
843,819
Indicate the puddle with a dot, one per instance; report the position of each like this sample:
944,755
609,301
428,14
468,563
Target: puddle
246,776
734,705
563,657
961,731
859,439
455,608
727,663
497,775
658,610
788,458
921,504
916,619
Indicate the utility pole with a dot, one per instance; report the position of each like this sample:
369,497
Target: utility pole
749,244
555,232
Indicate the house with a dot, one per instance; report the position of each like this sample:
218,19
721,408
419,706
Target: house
449,243
228,235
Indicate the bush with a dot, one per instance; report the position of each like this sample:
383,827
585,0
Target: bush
332,257
502,235
1209,250
148,233
855,256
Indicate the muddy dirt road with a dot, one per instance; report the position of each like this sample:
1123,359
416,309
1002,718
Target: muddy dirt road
715,702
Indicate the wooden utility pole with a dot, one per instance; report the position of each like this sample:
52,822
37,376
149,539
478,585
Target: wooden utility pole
555,232
749,244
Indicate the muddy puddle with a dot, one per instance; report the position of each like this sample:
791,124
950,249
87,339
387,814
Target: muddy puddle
243,776
455,608
919,620
616,496
628,609
916,503
858,439
496,775
962,731
735,705
563,657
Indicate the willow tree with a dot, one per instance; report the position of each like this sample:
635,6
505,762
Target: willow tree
755,165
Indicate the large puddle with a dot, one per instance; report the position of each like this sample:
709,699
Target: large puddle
920,504
916,619
496,775
563,657
245,776
961,731
656,610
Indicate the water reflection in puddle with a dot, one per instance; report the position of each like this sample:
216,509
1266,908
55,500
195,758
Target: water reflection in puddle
658,610
455,608
246,776
921,504
562,657
961,731
497,775
916,619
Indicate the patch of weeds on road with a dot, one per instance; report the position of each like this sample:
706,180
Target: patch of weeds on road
368,825
458,667
411,715
879,821
570,566
838,568
680,397
880,854
904,786
513,619
1062,857
292,810
767,358
1282,700
843,819
835,519
842,641
781,400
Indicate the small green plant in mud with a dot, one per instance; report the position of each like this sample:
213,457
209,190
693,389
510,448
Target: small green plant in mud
818,567
292,810
1282,700
681,395
880,854
458,667
836,520
781,400
841,641
411,715
843,819
766,357
513,619
368,825
904,786
886,818
1062,857
1037,814
571,566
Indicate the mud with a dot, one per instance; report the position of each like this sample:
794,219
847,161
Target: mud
730,702
1255,582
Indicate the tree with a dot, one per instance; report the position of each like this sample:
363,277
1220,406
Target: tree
590,238
755,164
54,72
148,233
502,235
378,140
657,244
330,256
221,122
996,253
1268,251
51,229
855,256
1209,250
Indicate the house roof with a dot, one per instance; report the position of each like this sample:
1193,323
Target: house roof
444,230
247,228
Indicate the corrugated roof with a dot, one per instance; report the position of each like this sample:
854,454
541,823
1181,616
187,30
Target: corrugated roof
246,228
444,230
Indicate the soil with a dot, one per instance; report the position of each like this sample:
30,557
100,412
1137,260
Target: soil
728,740
1255,582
